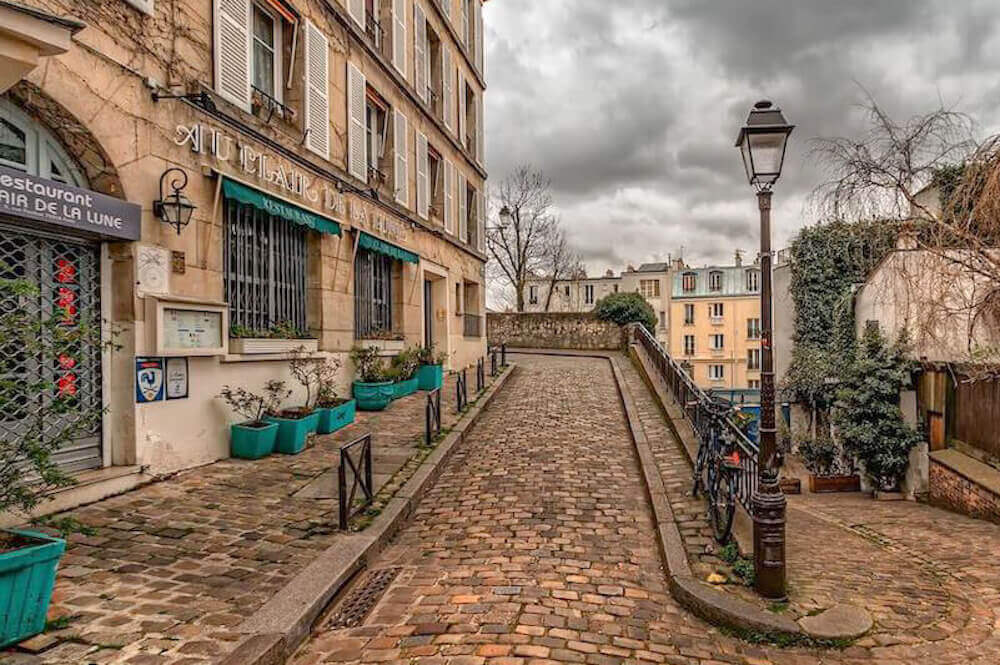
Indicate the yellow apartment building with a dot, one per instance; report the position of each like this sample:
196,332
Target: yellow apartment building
715,315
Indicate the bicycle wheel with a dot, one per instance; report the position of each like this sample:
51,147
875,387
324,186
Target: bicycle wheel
699,470
722,506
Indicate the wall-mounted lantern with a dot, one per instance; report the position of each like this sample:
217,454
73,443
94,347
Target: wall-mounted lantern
174,209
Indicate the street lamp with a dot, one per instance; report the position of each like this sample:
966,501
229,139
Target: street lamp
505,217
762,141
174,209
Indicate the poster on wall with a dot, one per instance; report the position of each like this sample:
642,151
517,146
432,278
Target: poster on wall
149,380
177,378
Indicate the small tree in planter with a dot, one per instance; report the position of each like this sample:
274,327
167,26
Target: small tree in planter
51,413
830,468
404,369
256,437
334,412
868,417
295,423
430,374
372,384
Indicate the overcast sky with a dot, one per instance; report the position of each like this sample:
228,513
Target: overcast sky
631,107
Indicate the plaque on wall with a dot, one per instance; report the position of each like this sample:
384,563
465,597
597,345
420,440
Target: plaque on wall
148,380
177,378
185,328
152,269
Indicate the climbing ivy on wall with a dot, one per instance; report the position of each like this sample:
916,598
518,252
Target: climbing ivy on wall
827,260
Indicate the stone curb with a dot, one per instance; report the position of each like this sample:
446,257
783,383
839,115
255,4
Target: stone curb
713,605
282,624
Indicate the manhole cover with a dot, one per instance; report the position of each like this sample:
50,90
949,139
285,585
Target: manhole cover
359,602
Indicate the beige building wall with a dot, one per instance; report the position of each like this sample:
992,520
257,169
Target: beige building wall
97,100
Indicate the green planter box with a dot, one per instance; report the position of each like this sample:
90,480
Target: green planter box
248,442
430,377
404,388
313,419
373,396
334,418
292,433
27,576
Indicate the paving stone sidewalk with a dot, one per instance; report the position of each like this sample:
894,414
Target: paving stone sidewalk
929,578
174,566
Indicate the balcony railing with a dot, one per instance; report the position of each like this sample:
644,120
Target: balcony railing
473,325
700,410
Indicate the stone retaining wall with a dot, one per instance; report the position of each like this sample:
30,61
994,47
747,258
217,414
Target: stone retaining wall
580,331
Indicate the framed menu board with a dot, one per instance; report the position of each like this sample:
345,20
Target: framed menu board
180,327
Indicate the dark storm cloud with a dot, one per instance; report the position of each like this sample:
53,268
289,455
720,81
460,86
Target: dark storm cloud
632,107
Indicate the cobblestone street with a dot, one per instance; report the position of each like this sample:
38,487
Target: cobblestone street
536,546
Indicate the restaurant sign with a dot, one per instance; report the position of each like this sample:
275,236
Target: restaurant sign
263,166
43,200
372,218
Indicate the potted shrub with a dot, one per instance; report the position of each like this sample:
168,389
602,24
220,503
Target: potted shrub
254,438
282,337
372,388
28,473
295,423
404,367
332,412
430,373
829,470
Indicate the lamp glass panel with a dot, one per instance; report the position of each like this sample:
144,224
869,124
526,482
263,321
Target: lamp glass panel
767,151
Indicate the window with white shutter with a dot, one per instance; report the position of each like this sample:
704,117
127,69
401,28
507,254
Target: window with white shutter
357,154
448,86
449,197
479,129
480,221
400,175
232,51
465,22
461,192
420,77
399,36
461,108
356,8
423,183
317,89
479,34
446,7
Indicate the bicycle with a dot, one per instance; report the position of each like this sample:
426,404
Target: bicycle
715,471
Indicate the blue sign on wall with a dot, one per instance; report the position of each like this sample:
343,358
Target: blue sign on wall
149,380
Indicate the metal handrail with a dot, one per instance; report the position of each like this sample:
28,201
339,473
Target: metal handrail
702,411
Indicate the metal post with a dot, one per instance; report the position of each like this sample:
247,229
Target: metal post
768,500
503,354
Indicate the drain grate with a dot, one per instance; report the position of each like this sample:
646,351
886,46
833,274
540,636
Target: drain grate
362,598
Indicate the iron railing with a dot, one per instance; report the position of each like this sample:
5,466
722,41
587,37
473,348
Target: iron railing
461,392
480,375
473,325
432,416
701,410
355,457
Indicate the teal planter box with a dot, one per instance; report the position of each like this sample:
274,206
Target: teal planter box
248,442
313,419
373,396
404,388
334,418
292,433
27,576
430,377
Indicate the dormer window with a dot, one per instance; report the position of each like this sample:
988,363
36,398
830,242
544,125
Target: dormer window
753,280
715,280
689,282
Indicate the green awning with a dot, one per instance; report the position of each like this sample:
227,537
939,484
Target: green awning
274,206
374,244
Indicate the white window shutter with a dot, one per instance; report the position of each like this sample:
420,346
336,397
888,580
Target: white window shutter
479,34
446,7
479,129
423,182
420,51
480,221
461,109
400,175
357,155
463,209
465,21
399,36
317,89
232,51
447,86
356,8
449,197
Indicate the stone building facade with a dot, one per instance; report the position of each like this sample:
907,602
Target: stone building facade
715,315
333,153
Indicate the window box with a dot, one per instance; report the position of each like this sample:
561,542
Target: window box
262,345
386,347
27,575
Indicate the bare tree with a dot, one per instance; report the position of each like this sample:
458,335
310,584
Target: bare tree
929,173
519,248
560,261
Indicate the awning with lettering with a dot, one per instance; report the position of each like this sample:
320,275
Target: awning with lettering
374,244
275,206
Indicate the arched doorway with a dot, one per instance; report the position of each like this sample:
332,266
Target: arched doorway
66,272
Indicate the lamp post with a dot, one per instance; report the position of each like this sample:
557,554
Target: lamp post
762,141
